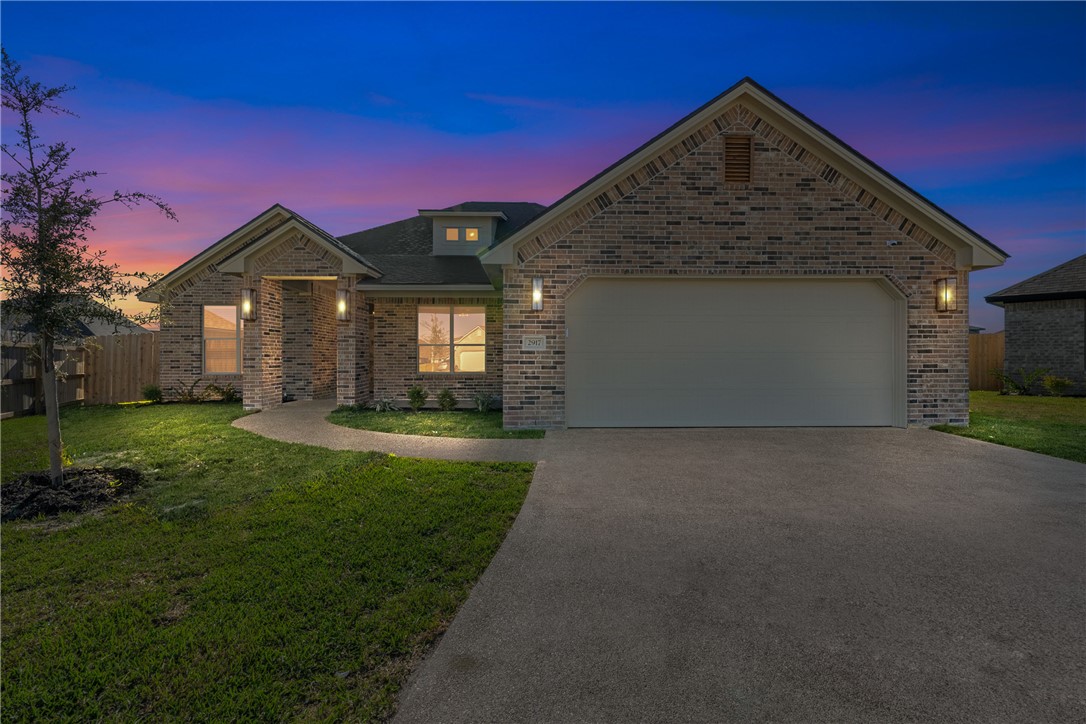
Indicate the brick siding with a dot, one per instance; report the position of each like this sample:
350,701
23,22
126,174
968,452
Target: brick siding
1047,335
676,217
395,350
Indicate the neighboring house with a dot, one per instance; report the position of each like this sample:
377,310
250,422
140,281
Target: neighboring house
1044,319
15,328
744,267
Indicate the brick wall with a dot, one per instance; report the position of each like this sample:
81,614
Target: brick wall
395,350
1047,335
676,217
309,341
180,353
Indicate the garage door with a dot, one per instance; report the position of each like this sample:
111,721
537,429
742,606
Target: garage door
690,353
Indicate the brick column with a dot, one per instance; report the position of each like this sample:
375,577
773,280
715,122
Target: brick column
262,346
347,383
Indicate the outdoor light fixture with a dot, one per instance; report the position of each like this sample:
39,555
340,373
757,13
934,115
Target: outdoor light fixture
946,294
537,293
343,304
248,304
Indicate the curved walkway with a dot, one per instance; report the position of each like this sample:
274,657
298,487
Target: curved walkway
304,422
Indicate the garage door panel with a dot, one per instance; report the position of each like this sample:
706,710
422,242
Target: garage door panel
704,353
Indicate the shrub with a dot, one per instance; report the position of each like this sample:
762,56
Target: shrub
484,401
226,393
446,400
188,393
1056,386
385,405
416,397
152,393
1020,385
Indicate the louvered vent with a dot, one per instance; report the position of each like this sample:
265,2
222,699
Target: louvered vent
737,158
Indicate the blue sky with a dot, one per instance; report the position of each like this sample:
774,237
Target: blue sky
356,114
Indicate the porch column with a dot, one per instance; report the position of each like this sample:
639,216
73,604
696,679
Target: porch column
262,346
347,335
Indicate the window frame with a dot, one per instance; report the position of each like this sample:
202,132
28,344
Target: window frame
237,337
455,233
452,344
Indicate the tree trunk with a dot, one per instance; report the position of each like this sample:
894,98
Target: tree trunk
52,410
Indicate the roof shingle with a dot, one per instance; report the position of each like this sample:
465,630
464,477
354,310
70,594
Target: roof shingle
1066,281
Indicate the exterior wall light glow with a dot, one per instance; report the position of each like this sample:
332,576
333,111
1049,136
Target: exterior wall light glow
537,293
248,304
946,294
343,305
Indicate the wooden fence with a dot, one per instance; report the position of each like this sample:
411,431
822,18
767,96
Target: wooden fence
985,354
119,367
104,370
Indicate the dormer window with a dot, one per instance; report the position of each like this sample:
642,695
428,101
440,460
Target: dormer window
453,233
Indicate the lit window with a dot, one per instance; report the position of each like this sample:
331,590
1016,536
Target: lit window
471,235
452,234
452,339
222,341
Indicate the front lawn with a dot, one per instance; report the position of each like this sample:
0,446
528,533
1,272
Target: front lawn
1050,425
250,579
460,423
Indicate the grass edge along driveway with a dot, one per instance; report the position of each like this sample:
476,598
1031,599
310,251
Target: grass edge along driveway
1053,426
250,579
430,423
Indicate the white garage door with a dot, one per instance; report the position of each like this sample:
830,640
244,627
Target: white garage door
690,353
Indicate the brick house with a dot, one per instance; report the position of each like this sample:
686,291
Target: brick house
1044,318
744,267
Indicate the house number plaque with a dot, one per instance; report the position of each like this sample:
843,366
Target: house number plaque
533,343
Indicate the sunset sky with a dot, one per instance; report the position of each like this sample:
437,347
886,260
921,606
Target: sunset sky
356,114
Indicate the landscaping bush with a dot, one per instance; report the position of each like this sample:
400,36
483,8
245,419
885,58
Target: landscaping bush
1056,386
188,394
1022,384
226,393
385,405
446,400
152,393
484,401
416,397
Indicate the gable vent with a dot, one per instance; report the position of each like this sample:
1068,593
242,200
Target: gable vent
737,159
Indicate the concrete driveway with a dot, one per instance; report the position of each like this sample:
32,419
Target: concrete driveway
781,574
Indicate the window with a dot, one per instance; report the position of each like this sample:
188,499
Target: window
737,159
452,339
222,341
452,233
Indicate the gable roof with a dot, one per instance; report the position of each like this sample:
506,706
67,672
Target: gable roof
1066,281
403,250
277,219
974,251
415,234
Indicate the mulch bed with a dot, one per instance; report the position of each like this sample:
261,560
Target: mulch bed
30,495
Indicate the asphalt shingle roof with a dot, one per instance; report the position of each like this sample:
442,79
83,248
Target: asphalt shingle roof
403,250
1066,281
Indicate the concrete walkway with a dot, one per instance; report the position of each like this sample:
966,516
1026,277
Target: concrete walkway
789,575
304,422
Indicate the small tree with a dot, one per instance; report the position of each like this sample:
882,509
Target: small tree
51,278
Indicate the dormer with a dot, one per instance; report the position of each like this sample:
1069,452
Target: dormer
462,233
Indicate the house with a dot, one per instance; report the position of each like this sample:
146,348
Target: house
743,267
14,327
1044,318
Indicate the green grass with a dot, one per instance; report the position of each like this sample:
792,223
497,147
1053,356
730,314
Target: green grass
251,579
433,424
1050,425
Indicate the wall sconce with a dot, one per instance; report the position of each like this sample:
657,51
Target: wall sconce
343,305
537,293
248,304
946,294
